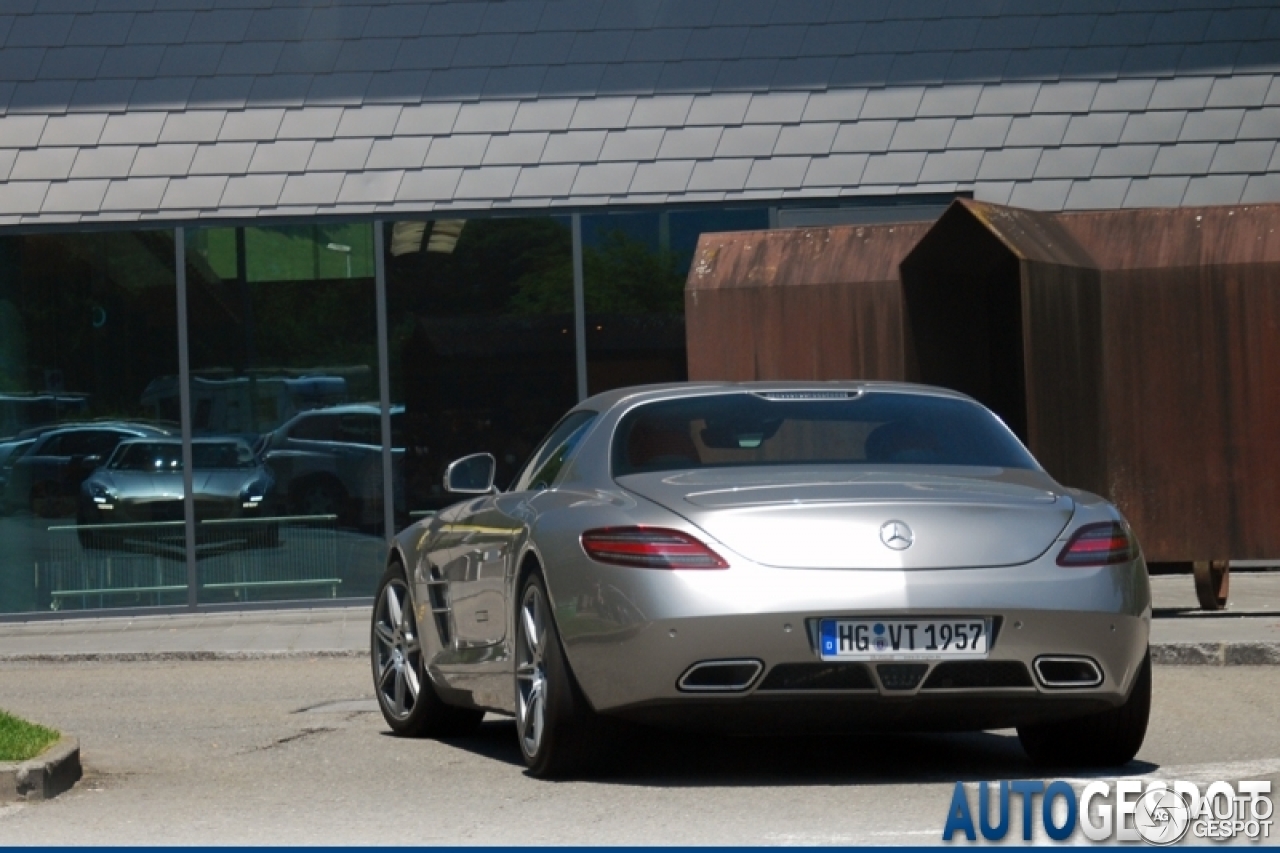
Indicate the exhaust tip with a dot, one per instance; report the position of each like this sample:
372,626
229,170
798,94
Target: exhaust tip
720,676
1064,671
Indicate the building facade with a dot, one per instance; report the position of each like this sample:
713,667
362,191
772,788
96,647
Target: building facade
347,240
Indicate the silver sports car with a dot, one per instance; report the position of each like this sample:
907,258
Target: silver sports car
769,557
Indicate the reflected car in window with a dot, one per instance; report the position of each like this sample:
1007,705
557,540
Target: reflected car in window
769,558
329,462
46,479
142,483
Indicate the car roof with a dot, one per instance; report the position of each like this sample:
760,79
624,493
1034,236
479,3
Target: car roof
644,393
137,430
347,409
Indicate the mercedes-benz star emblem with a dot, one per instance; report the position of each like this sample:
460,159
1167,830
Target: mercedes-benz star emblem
896,535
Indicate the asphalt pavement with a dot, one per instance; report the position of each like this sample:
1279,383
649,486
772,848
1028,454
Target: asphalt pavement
1247,632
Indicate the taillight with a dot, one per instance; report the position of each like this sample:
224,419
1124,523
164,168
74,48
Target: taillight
1099,545
649,548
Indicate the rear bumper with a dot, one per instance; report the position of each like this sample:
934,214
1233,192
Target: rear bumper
632,667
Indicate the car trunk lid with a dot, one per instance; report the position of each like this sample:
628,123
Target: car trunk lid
868,519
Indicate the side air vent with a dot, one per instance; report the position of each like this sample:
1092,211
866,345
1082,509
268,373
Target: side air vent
1068,672
720,676
977,675
818,676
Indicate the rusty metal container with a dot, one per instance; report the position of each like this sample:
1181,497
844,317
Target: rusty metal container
1137,352
803,303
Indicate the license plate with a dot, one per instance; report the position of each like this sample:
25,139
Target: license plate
899,639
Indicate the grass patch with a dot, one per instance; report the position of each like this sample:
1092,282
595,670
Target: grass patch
20,740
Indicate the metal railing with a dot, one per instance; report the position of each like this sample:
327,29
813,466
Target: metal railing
144,564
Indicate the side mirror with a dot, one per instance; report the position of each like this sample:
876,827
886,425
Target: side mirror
471,475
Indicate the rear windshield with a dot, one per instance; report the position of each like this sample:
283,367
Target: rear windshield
876,428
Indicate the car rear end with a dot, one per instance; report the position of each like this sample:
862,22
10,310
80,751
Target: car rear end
790,565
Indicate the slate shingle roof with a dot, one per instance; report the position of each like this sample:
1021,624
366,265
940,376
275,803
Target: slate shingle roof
118,110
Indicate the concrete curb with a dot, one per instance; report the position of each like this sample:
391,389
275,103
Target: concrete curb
1216,654
43,777
132,657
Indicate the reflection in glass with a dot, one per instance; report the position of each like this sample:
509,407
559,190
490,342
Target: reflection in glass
86,323
283,348
634,271
482,346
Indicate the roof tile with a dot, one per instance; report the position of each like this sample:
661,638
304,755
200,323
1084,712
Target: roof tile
74,196
109,161
515,149
1008,99
951,166
1038,130
82,129
660,111
486,117
313,188
457,150
369,121
633,144
495,182
1097,194
838,170
140,128
545,181
1041,195
901,102
1261,124
22,196
576,146
253,191
900,167
749,141
43,164
404,152
281,157
1185,93
718,110
602,113
864,136
1009,164
811,138
603,179
366,187
949,100
778,173
163,160
429,185
135,194
253,124
193,193
1261,188
339,155
690,143
1215,189
1072,162
1153,127
670,176
1243,156
930,134
1156,192
724,174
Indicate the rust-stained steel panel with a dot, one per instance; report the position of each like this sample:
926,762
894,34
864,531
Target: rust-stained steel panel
1138,351
804,303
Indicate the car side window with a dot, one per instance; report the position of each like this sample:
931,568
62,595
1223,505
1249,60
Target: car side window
546,463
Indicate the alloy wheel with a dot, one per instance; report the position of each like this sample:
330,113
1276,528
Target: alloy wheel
398,651
531,670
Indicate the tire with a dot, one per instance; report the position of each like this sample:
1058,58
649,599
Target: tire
1107,739
406,696
559,734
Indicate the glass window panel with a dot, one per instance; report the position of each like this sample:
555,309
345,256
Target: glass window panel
87,324
634,271
481,343
284,358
